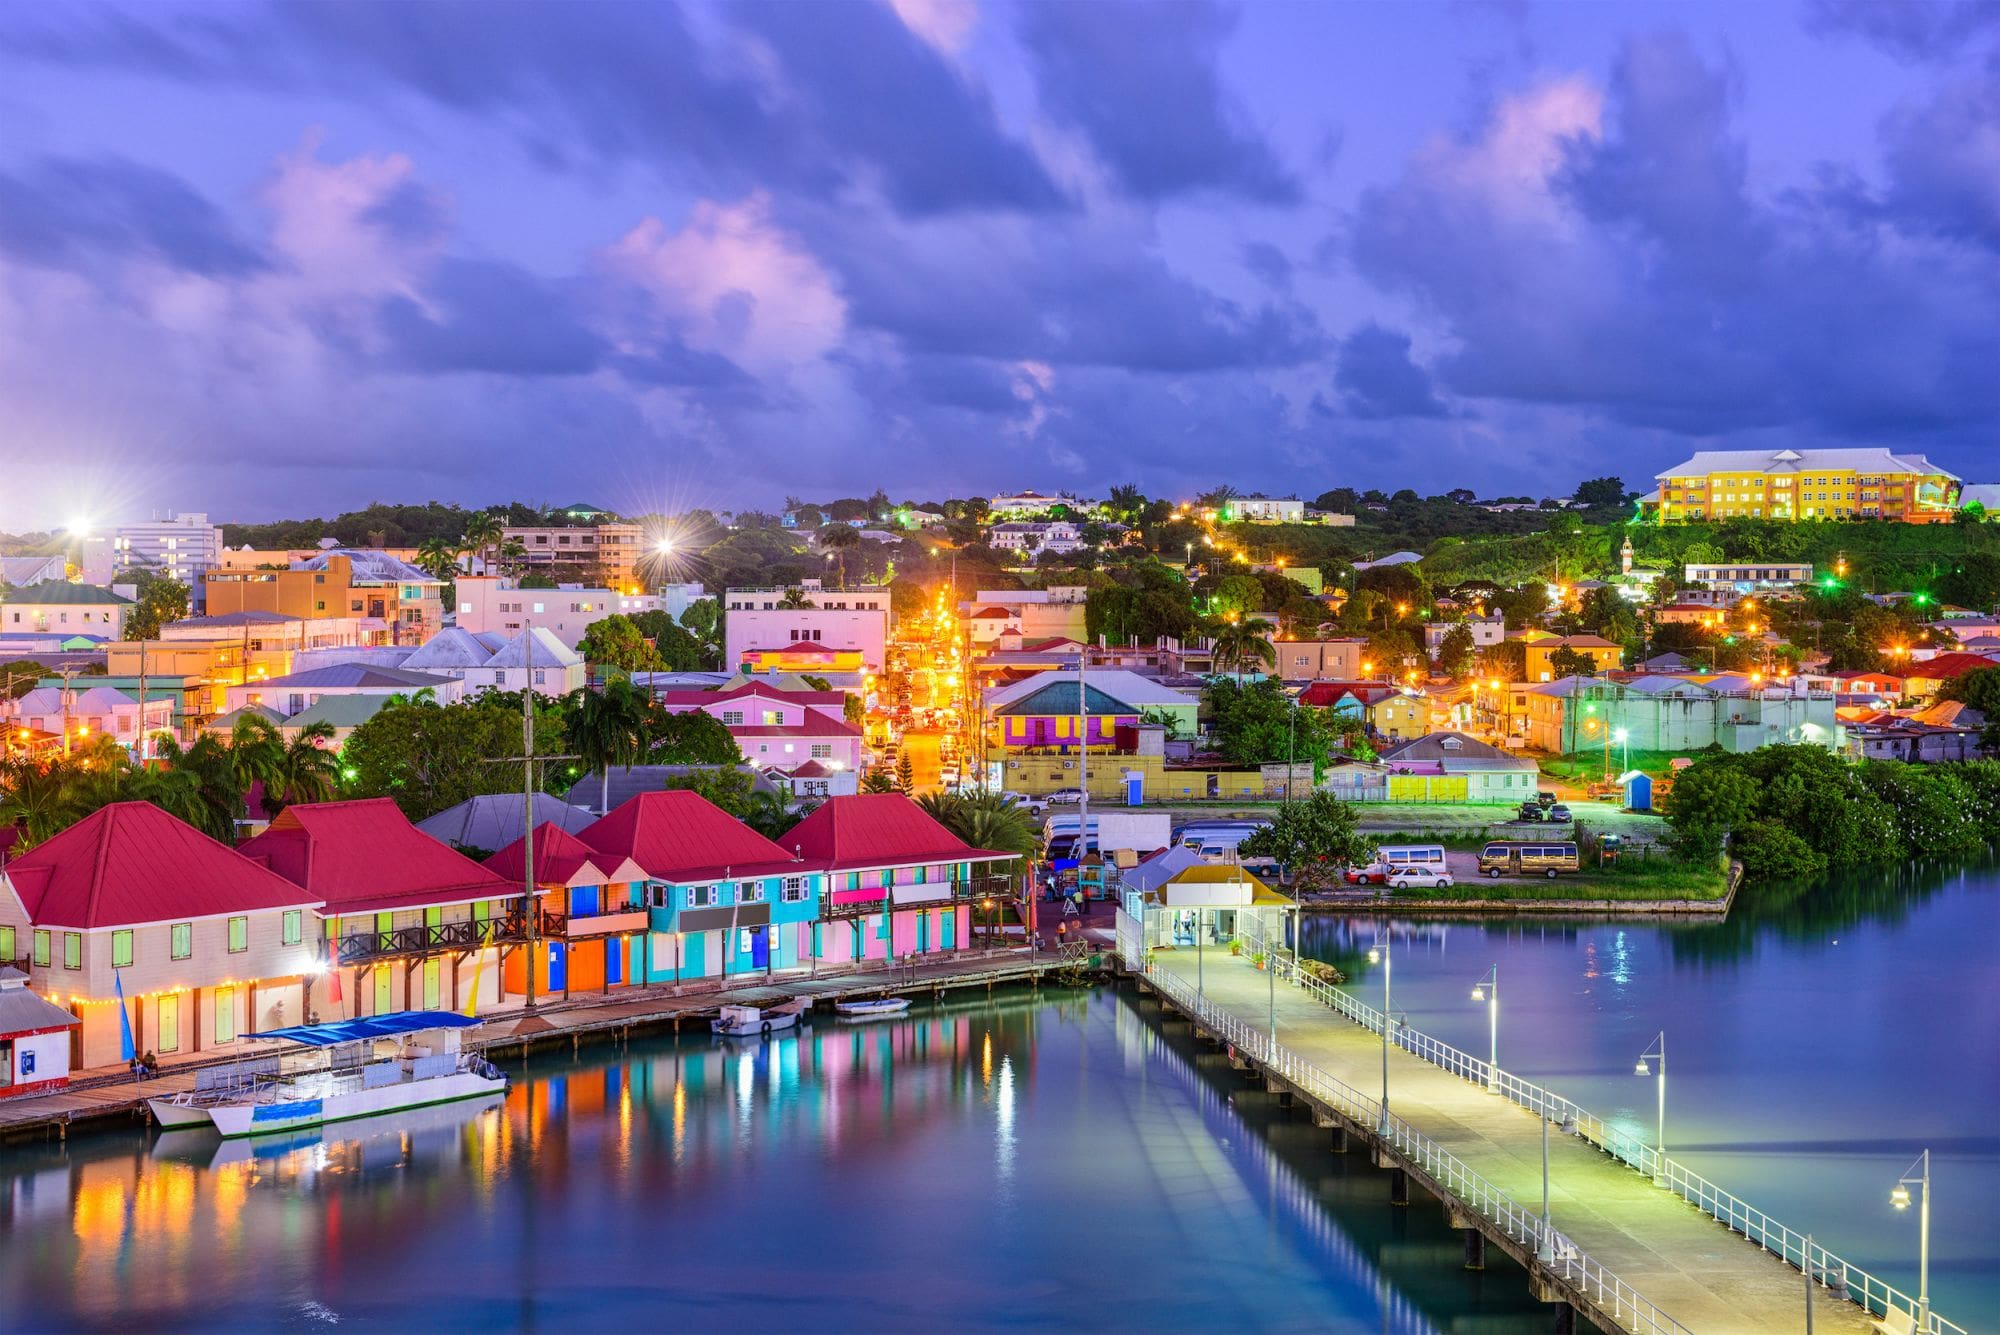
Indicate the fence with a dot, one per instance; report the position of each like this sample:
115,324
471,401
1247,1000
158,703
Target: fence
1559,1256
1874,1295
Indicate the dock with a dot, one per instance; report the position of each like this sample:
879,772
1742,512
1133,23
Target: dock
109,1099
1630,1241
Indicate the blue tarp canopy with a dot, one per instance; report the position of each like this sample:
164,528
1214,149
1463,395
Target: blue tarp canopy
371,1026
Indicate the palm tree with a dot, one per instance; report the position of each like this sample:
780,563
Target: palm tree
607,728
1125,502
838,538
198,783
984,820
794,600
482,536
1239,643
38,798
438,556
256,753
307,771
512,554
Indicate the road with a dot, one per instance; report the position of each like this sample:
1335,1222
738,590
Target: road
925,762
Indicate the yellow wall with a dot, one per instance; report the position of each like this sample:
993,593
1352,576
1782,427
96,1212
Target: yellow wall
1818,494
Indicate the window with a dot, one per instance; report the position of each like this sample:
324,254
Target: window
700,896
180,940
822,750
42,947
239,934
793,893
72,950
294,926
121,948
6,946
774,718
750,892
732,718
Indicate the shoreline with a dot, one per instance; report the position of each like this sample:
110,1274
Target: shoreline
1424,907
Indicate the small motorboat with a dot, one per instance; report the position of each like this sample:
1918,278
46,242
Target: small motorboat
751,1022
873,1009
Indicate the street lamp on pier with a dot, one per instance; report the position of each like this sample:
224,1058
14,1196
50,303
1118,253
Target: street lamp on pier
1918,1175
1379,954
1658,1052
1487,990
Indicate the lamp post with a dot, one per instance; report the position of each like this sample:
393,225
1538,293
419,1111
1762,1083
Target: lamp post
1658,1052
1487,990
1918,1175
1379,954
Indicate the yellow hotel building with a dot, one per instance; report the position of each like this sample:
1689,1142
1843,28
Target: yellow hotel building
1869,483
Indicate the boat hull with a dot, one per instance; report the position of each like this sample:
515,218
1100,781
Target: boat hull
770,1024
178,1116
258,1119
871,1010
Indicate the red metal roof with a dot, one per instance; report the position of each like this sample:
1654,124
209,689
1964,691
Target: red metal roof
1948,667
131,863
752,689
681,836
364,856
814,724
559,856
878,830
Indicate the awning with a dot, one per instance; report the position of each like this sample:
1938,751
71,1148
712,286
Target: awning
725,918
372,1026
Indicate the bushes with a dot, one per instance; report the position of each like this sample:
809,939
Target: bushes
1799,811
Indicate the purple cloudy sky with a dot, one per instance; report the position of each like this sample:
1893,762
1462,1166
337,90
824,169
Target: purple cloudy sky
281,259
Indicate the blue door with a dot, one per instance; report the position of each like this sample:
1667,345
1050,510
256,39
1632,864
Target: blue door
558,967
760,947
923,930
948,930
614,960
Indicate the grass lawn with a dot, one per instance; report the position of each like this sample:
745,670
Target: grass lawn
1446,821
1587,766
1658,878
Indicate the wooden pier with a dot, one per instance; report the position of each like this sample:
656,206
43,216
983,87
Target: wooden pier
112,1099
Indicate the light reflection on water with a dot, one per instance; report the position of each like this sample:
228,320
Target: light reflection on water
1819,1040
1052,1161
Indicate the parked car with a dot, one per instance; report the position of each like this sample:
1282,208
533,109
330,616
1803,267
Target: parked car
1065,797
1560,813
1531,811
1409,878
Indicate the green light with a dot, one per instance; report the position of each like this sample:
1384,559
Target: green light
1921,599
1729,639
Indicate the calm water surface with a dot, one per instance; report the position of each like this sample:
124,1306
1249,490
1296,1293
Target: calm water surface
1034,1163
1057,1162
1817,1042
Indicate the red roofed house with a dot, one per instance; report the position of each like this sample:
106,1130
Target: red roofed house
208,944
595,906
898,881
1924,680
780,729
408,923
722,898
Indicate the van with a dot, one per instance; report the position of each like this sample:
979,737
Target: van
1548,860
1424,857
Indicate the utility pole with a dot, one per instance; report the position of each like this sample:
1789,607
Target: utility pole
67,673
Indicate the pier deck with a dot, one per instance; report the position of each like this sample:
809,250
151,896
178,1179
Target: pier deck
1702,1275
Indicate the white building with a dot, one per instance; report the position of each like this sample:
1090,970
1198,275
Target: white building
495,603
490,661
769,598
1055,536
1033,614
87,712
1265,509
61,608
1745,576
1035,503
181,546
1486,631
825,641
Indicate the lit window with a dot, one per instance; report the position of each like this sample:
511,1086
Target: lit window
239,935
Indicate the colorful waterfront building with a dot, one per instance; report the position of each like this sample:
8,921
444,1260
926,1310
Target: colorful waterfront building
721,899
205,944
898,882
593,908
405,923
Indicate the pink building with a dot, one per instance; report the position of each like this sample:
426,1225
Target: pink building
780,729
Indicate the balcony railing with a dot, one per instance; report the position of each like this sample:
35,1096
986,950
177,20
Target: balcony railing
970,890
437,938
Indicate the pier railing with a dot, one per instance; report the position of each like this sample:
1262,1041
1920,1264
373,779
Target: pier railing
1874,1295
1557,1254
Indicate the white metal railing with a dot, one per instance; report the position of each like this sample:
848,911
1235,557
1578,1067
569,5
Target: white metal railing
1559,1256
1874,1295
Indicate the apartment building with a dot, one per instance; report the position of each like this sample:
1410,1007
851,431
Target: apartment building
180,546
498,603
1867,483
612,549
384,592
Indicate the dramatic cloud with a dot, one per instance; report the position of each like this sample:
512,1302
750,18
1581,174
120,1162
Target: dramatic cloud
1377,379
1140,81
1922,30
67,213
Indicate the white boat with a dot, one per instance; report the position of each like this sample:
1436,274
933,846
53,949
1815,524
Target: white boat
352,1068
874,1009
751,1022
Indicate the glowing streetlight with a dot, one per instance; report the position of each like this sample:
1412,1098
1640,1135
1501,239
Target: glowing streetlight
1918,1175
1658,1052
1487,990
1379,954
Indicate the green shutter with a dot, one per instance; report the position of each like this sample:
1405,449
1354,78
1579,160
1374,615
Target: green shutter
121,948
6,945
181,940
225,1012
239,934
294,926
72,950
42,947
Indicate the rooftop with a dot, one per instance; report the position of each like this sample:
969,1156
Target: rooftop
364,856
1871,459
66,593
878,830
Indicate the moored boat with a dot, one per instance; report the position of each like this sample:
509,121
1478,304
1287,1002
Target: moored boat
875,1008
352,1068
754,1022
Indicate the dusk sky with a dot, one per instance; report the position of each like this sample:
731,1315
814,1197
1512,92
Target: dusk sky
283,260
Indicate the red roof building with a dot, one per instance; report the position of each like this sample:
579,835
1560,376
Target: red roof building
879,831
682,837
365,857
562,859
130,863
1947,667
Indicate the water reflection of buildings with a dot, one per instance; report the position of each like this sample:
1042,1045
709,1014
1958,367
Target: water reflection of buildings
160,1225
